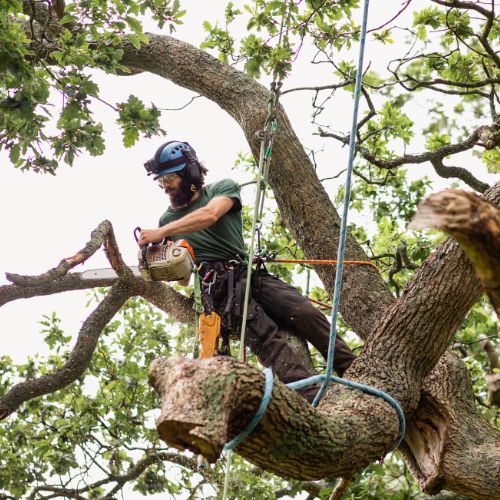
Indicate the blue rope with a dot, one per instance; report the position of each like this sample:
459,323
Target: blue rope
258,415
336,294
299,384
343,227
340,264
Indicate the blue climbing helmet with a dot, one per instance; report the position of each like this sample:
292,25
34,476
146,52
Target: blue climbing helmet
173,156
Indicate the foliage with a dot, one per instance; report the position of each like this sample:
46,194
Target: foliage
100,427
89,36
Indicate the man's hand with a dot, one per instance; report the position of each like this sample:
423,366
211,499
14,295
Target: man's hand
151,236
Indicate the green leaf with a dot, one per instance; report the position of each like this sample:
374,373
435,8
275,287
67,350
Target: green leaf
134,24
67,19
134,40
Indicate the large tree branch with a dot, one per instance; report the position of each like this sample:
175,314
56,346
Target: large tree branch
207,402
70,282
449,172
103,234
58,280
79,358
175,304
486,135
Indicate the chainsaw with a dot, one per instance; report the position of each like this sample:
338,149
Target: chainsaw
167,261
170,261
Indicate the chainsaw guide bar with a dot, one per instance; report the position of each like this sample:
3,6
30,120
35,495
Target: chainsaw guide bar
106,273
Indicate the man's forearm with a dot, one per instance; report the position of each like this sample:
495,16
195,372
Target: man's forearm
195,221
190,223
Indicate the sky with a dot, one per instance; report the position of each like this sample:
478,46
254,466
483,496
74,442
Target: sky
46,218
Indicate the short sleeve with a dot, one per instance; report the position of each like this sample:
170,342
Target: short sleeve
229,188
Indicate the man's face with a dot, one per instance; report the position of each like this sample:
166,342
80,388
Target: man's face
170,183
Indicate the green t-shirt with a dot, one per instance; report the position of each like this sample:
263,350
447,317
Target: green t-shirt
222,240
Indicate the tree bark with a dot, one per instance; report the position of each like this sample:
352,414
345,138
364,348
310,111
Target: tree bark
475,224
205,403
448,444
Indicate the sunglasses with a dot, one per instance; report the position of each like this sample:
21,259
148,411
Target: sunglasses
165,178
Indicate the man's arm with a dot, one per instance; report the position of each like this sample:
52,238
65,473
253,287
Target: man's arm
190,223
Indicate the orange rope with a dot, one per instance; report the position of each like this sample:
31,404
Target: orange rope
322,304
324,262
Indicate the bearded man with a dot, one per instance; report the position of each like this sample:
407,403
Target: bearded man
209,218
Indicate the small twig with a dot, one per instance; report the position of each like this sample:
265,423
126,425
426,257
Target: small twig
476,341
182,107
340,488
97,238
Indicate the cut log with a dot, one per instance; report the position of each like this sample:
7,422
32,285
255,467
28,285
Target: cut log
475,224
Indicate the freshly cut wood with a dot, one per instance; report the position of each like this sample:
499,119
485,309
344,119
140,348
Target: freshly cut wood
475,224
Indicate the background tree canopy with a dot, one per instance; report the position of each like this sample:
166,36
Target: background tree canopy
433,106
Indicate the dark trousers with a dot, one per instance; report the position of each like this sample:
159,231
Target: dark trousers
274,306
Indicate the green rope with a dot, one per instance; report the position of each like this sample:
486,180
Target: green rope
266,145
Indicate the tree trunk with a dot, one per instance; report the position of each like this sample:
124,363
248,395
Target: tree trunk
448,444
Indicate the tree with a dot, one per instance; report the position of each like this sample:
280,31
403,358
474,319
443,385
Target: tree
449,444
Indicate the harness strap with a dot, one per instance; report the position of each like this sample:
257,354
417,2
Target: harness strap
239,292
198,309
230,295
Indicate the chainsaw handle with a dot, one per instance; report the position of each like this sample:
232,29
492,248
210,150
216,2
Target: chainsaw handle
137,230
164,242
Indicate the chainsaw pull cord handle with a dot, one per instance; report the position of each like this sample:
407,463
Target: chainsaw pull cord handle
144,248
163,242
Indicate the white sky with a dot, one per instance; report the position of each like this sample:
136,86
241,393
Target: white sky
46,218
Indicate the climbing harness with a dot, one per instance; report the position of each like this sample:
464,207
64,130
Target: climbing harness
264,160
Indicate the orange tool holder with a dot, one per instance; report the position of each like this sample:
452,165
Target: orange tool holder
208,334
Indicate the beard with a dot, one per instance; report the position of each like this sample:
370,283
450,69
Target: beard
182,195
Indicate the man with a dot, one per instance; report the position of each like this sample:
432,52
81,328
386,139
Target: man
209,218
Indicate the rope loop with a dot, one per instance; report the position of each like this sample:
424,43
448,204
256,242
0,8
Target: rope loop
266,397
299,384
